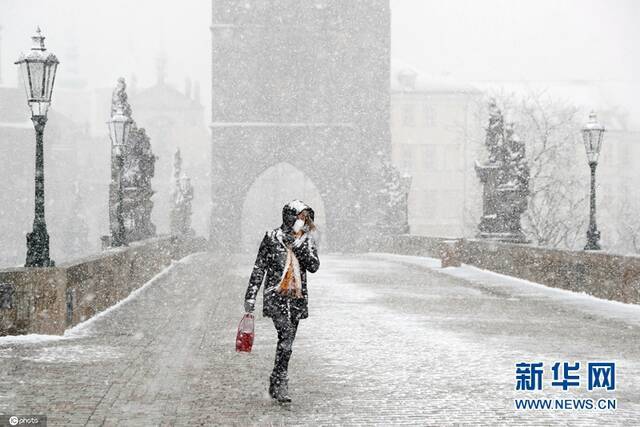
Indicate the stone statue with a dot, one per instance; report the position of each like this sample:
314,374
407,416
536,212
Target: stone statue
515,166
505,178
138,169
181,197
394,196
514,182
119,98
494,139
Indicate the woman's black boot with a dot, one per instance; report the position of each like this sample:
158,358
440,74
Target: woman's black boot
273,386
282,391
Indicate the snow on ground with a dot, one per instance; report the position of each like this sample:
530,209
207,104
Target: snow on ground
602,307
389,341
74,354
29,339
443,347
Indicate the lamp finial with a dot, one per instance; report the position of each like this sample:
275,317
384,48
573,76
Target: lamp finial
38,40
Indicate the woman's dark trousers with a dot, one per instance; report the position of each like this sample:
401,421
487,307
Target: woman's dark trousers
286,329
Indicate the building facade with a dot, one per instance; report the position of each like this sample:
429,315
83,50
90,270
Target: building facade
436,131
303,83
173,120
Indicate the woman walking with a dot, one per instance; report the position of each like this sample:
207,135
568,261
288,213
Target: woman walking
284,257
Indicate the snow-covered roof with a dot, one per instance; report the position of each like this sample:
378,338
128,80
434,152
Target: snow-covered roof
406,78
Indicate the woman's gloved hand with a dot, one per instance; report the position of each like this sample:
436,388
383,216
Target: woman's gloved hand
288,239
299,241
248,307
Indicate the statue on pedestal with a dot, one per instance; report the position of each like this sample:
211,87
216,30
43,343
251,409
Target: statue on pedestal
138,168
505,178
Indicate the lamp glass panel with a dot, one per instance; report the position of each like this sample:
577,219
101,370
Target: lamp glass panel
126,131
114,131
118,127
39,108
24,72
36,77
586,136
593,146
111,131
592,143
598,136
50,74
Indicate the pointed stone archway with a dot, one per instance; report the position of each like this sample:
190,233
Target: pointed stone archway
337,177
272,189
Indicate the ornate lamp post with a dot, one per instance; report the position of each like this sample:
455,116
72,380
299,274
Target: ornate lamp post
119,127
592,134
38,69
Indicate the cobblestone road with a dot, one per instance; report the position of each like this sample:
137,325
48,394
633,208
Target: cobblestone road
388,341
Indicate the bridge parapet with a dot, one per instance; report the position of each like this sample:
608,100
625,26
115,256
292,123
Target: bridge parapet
601,274
50,300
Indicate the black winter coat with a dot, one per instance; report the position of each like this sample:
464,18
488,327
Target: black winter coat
269,266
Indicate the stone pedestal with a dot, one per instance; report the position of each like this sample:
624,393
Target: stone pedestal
502,206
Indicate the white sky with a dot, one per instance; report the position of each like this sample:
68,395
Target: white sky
468,40
520,39
114,37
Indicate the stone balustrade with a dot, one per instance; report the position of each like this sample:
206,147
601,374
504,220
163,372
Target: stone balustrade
50,300
597,273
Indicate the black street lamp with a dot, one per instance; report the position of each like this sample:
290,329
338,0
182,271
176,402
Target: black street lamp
119,127
592,134
38,69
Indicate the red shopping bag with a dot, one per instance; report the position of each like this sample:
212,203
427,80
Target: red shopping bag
244,338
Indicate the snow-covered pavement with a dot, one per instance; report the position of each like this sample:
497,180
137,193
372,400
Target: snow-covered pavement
390,340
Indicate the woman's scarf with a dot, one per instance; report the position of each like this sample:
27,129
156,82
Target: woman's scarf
291,284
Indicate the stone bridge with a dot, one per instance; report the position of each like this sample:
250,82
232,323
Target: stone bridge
391,339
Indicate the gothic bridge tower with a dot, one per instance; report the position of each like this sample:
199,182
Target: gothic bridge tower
307,83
